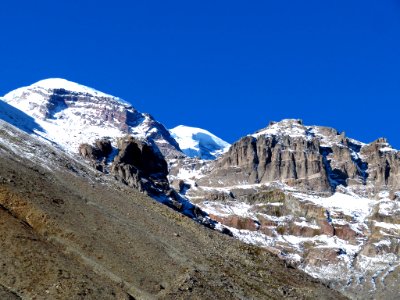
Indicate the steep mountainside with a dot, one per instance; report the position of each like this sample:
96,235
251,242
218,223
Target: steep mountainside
312,158
70,114
73,161
200,143
328,204
68,231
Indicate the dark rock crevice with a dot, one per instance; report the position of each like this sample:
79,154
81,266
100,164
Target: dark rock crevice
362,166
139,165
58,101
387,172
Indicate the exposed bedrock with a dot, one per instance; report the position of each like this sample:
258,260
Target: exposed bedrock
318,159
294,161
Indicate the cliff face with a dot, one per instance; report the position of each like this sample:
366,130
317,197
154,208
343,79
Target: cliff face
294,161
383,165
309,158
323,202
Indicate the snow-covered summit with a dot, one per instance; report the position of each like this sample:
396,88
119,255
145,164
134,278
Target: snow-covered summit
294,128
291,127
36,99
70,114
197,142
60,83
51,84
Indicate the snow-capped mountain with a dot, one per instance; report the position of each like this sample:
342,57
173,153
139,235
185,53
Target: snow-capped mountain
69,114
197,142
323,202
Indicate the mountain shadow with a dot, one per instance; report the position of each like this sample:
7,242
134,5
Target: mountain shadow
18,118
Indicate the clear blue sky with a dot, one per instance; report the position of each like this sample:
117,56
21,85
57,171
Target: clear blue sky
226,66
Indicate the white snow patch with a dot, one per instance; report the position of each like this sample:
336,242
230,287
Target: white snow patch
383,243
226,209
306,224
387,225
387,149
287,127
388,207
351,205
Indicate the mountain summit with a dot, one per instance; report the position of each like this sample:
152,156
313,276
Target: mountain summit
71,114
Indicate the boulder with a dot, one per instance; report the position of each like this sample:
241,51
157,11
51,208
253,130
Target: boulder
97,154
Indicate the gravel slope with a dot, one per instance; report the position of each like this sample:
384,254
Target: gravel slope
67,232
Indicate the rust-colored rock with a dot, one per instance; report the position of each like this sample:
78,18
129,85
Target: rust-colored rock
236,222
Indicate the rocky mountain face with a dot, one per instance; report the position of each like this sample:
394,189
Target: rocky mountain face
68,231
138,164
296,162
70,114
310,158
319,201
77,227
325,203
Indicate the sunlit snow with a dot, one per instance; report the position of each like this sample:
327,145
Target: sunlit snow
197,142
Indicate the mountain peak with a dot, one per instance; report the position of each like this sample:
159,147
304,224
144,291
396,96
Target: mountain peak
290,127
53,84
61,106
197,142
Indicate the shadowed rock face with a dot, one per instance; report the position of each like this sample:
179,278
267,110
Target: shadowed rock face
141,155
294,161
97,154
383,165
140,165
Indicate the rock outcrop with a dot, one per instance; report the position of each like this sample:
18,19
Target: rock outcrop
294,161
140,165
309,158
97,154
136,163
383,165
326,203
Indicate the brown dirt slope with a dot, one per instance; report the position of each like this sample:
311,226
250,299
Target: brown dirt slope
67,232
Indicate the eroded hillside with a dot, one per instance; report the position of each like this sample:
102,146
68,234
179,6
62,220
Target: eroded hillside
69,232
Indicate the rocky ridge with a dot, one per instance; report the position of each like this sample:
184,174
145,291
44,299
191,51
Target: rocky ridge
323,202
310,158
